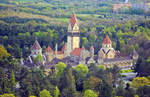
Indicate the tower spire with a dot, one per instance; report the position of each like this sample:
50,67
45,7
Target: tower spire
73,38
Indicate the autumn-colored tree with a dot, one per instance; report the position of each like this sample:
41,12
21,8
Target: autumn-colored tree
90,93
7,95
3,52
140,82
136,96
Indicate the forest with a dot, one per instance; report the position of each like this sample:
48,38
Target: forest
24,21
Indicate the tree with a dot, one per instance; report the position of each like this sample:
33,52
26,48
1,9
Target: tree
142,67
82,69
106,90
12,79
84,41
115,74
93,83
139,82
148,60
56,92
38,58
60,68
45,93
92,38
144,91
80,72
3,52
7,95
90,93
68,83
118,47
4,82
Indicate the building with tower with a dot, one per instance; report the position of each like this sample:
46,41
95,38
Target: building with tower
71,53
107,52
73,37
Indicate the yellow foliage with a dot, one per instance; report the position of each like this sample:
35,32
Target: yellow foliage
32,96
140,82
3,52
136,96
7,95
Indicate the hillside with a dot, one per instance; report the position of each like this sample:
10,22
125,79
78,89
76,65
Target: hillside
24,21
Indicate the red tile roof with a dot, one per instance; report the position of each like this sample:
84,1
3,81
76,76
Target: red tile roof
77,51
73,20
107,40
49,49
36,46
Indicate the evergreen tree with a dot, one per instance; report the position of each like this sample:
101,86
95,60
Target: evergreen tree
106,90
4,82
68,83
12,79
118,45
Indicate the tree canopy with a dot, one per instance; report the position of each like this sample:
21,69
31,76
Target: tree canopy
60,68
45,93
140,82
90,93
3,52
82,69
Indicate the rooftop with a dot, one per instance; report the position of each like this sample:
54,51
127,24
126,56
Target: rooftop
73,20
107,40
36,46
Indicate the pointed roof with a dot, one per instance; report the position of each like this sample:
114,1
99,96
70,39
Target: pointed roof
36,46
91,48
73,20
49,49
107,40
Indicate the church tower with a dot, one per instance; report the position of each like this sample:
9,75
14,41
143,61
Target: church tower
107,50
73,38
36,49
